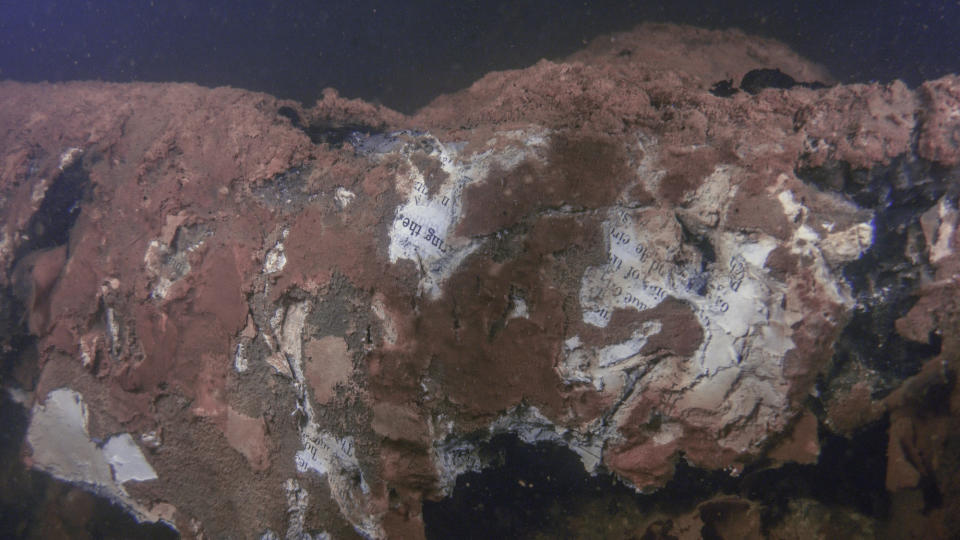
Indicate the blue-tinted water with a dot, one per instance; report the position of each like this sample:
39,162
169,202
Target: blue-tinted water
402,54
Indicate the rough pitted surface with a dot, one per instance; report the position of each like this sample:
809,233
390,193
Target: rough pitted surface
308,320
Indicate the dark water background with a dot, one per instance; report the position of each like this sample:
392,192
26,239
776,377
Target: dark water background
404,53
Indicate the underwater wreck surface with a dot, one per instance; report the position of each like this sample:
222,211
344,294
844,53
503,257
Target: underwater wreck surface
612,295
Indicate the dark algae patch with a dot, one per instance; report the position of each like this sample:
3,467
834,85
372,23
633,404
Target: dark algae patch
850,473
757,80
539,489
884,278
542,491
51,224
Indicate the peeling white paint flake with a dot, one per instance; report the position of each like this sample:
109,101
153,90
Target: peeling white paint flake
614,355
297,502
291,338
606,368
126,459
153,259
240,361
167,258
68,157
848,244
791,207
518,309
835,249
151,439
275,260
708,203
60,441
273,338
454,455
276,321
164,267
948,218
732,299
423,228
323,452
344,197
39,190
19,396
386,320
746,320
531,426
113,332
88,348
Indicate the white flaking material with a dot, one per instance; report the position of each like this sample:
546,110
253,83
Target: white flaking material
323,452
423,227
61,446
847,244
728,299
746,322
453,455
605,367
344,197
531,426
519,309
386,320
39,190
275,260
240,361
948,225
791,207
68,157
126,459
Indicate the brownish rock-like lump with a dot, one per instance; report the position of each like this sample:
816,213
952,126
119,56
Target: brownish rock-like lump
595,252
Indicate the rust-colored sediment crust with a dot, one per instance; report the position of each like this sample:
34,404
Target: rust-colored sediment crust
596,252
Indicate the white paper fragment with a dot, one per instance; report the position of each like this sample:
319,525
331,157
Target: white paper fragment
324,452
126,459
297,502
948,217
18,395
240,361
61,446
848,244
519,310
68,157
344,197
454,456
60,442
423,228
531,426
275,260
606,368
